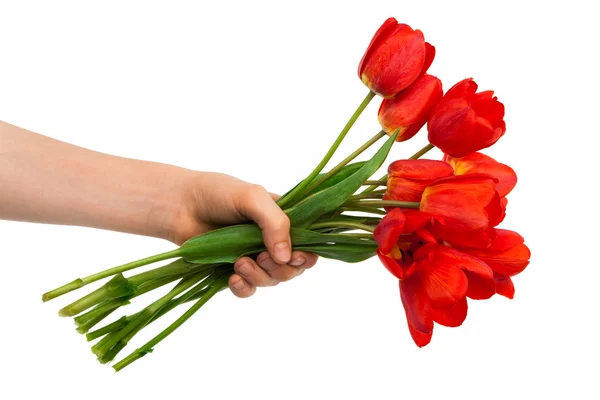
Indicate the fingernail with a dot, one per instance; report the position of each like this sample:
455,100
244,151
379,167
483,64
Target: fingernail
239,285
282,252
245,269
298,261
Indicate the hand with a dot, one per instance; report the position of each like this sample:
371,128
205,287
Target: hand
209,200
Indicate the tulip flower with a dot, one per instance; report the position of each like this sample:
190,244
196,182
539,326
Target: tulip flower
410,109
478,163
434,279
395,58
466,121
407,179
507,256
468,206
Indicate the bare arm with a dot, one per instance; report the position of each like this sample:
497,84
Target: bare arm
48,181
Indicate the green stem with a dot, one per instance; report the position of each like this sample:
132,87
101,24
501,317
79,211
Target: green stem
79,283
370,210
383,203
341,224
375,183
343,163
421,152
145,349
147,313
291,196
360,235
373,195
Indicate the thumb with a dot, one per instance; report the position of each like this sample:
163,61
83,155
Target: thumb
258,205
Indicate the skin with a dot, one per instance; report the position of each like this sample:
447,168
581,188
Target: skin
48,181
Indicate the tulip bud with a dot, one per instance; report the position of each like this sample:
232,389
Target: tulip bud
395,58
466,121
407,179
410,109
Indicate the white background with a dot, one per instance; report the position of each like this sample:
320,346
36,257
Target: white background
259,90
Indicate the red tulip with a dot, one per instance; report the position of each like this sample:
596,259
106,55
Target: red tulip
466,121
468,207
478,163
407,179
395,58
434,279
506,256
410,109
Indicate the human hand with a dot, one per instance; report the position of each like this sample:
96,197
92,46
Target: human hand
206,201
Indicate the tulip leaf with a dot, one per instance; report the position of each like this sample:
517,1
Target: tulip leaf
226,245
327,200
344,252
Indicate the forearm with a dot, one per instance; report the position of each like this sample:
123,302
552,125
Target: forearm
48,181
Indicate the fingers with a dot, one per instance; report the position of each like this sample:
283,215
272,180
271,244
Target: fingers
258,205
266,272
240,287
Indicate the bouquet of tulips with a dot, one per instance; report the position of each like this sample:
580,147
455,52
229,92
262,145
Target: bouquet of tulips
432,223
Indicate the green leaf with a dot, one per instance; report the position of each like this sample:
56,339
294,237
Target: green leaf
341,175
327,200
230,243
344,252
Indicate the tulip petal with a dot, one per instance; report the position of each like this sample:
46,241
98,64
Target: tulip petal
453,316
422,170
445,284
480,288
480,163
489,108
464,203
429,56
418,310
383,33
505,239
391,264
463,89
388,231
504,286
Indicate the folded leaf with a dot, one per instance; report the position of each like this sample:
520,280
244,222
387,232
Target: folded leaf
327,200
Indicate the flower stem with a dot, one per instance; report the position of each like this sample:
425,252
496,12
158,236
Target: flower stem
79,283
370,210
341,224
291,196
421,152
383,203
382,182
367,196
145,349
344,162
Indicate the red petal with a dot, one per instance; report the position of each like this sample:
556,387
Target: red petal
507,255
418,310
480,288
480,163
391,265
396,63
450,125
505,239
463,89
453,316
504,286
382,34
463,202
429,56
420,169
402,189
490,109
388,231
445,284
